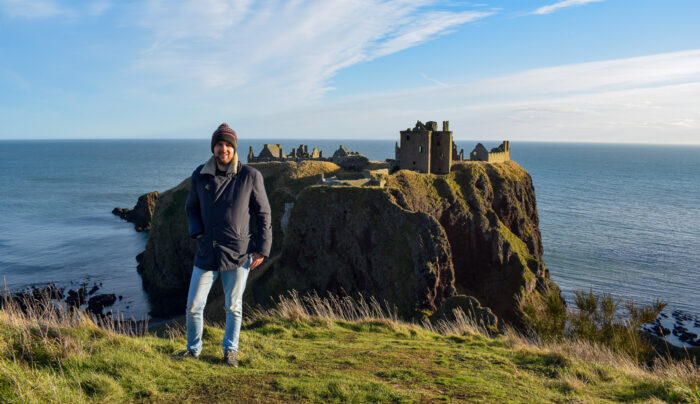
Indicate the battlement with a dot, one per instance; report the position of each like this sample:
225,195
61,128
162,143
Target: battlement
496,155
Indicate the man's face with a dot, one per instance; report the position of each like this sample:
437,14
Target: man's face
223,151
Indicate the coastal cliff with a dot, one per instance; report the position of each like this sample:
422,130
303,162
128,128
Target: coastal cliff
413,243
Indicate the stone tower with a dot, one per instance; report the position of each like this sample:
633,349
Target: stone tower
414,152
440,149
425,148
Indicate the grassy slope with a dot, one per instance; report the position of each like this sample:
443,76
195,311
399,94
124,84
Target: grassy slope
310,360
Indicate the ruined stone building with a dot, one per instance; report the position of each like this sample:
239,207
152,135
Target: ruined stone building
343,157
425,148
457,156
428,150
274,152
496,155
302,153
269,152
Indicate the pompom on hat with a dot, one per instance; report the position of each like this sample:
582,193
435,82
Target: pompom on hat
225,133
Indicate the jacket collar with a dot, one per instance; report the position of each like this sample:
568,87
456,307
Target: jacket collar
210,166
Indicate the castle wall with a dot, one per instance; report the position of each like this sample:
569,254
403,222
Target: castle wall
441,152
501,153
414,153
499,157
479,153
496,155
457,155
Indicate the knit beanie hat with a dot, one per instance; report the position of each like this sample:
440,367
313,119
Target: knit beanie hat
225,133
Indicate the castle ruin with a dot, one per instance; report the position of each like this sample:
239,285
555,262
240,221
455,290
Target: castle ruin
274,152
425,148
343,157
496,155
428,150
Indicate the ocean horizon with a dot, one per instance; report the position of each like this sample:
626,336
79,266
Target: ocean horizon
615,218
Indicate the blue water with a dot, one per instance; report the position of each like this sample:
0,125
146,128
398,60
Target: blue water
621,219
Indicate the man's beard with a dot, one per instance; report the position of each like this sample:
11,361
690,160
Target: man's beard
221,162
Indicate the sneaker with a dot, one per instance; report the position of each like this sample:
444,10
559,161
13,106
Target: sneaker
184,354
230,359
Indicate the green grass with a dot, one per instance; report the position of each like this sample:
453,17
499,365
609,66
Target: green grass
290,354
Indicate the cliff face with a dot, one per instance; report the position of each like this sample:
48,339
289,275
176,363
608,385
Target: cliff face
489,214
356,240
166,264
414,243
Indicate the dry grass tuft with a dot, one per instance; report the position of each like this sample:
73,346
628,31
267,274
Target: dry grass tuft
37,328
174,330
590,352
684,371
461,325
332,308
312,307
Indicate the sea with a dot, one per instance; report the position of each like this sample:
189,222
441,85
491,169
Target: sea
615,218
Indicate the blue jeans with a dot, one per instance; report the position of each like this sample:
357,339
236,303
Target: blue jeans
234,285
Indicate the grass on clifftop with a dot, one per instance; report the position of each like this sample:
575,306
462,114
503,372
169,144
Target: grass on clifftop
316,350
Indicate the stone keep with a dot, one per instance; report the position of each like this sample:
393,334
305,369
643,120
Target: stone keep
440,149
426,149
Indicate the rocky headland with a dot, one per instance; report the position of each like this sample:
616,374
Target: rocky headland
142,212
413,242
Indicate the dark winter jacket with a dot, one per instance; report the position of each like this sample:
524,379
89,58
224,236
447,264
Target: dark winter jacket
224,209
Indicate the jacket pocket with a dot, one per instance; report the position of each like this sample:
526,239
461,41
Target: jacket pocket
233,233
202,245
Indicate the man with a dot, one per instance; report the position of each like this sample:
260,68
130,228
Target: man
225,196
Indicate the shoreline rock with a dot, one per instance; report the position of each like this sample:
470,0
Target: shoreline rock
96,304
72,298
142,213
679,331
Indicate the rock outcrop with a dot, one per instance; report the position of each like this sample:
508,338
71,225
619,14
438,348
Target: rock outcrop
489,214
142,213
166,264
414,243
97,303
357,241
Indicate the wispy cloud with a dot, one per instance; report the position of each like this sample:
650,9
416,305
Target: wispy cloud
434,81
562,4
278,52
648,99
415,31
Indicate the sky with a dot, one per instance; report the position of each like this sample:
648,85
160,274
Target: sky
623,71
